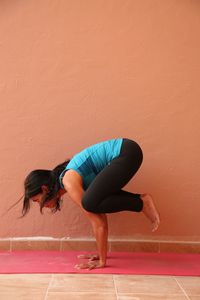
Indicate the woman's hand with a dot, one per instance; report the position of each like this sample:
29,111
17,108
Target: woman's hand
90,257
90,265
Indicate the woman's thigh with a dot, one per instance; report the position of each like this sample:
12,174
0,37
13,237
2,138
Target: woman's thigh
114,176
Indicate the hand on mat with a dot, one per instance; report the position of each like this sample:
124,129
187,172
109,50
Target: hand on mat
90,265
91,257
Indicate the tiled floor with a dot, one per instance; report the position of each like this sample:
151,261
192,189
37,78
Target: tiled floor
98,287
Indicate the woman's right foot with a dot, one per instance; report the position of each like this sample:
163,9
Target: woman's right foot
150,211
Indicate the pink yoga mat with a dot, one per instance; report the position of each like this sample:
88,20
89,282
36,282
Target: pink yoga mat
117,263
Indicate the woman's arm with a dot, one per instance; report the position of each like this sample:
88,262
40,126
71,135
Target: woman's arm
100,228
99,221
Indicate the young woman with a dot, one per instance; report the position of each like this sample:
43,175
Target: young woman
94,179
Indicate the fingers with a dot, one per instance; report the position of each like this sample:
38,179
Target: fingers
84,256
81,266
91,257
94,257
92,267
92,263
88,266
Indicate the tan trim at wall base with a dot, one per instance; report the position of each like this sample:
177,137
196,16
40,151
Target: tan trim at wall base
65,244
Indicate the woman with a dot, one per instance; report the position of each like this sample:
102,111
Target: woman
94,179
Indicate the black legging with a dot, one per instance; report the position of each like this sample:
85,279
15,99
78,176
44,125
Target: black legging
105,194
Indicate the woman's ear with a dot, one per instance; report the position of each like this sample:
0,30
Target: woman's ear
45,188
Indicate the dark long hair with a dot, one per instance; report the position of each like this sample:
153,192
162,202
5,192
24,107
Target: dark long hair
33,185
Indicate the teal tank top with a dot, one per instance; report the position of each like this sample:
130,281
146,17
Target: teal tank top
90,161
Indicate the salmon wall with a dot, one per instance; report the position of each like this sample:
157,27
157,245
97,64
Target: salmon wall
73,73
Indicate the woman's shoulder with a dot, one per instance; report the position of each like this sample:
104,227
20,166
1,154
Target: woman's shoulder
71,177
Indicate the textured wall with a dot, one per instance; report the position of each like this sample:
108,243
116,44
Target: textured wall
73,73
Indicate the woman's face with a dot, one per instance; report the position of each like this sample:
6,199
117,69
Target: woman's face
38,198
51,203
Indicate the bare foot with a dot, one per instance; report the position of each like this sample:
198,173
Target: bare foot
150,211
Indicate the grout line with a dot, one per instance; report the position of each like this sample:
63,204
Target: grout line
74,293
50,281
181,288
115,287
151,294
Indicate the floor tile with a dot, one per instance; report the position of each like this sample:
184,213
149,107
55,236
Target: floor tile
147,284
191,285
81,296
82,283
37,281
24,286
22,295
150,297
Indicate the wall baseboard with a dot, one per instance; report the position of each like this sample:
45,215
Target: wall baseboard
67,244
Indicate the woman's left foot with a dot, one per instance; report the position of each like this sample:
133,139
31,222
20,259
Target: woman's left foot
150,211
